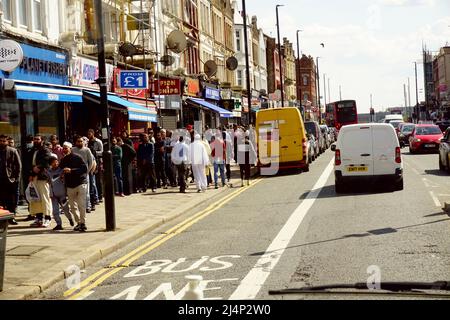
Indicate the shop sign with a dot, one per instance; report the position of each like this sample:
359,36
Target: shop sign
226,94
167,87
11,55
133,93
85,73
212,94
32,64
193,87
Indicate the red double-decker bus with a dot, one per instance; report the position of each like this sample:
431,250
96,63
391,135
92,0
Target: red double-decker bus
341,113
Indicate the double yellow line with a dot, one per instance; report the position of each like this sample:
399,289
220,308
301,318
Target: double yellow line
100,276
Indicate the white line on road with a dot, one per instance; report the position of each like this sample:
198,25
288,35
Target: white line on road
435,199
255,279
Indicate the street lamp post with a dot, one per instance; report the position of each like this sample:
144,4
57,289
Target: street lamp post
110,211
299,72
247,62
279,56
417,96
318,89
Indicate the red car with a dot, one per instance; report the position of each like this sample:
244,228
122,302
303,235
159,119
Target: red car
425,137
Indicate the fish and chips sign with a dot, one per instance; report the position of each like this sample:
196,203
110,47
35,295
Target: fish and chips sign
11,55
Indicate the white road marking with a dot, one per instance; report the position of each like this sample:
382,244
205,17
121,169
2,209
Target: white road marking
413,169
255,279
435,199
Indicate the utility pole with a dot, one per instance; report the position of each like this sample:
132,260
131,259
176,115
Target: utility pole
409,97
110,210
417,96
247,62
340,93
299,73
325,89
318,89
329,93
280,56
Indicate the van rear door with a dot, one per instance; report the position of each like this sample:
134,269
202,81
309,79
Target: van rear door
385,142
356,151
291,135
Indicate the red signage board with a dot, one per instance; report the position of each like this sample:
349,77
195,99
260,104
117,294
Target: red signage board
133,93
167,87
193,87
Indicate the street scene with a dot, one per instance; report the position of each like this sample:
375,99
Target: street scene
209,150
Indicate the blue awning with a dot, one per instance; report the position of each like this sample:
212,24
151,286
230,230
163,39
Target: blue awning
135,111
223,113
38,93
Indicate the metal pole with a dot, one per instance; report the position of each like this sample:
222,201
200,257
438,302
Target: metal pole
417,96
325,89
318,89
340,93
157,60
110,211
299,72
329,92
279,57
247,63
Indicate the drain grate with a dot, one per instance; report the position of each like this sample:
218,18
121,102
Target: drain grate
24,251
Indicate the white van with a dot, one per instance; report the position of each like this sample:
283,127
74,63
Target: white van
368,151
393,117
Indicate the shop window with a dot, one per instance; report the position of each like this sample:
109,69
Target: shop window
48,123
10,118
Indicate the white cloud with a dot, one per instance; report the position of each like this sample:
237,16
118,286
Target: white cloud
407,3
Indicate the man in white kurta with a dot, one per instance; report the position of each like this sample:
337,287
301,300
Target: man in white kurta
199,160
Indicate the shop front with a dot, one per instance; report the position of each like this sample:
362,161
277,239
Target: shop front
34,91
191,112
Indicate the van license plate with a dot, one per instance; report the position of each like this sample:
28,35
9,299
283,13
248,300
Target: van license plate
430,146
357,169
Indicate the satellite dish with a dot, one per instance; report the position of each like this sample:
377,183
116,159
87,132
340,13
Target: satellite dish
167,60
232,63
127,49
176,41
210,68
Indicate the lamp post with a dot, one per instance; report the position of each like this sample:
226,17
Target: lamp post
318,89
299,73
279,56
247,62
417,96
110,211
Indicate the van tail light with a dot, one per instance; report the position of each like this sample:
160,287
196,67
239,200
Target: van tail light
337,157
398,155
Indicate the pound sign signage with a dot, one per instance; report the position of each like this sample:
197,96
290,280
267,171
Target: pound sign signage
133,79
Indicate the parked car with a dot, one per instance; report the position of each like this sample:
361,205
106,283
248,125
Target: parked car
443,125
326,134
312,127
425,137
396,124
444,152
367,152
406,130
312,148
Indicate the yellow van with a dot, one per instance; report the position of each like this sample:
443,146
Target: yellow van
282,139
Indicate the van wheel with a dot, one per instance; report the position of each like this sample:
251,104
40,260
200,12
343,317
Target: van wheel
306,169
339,187
399,185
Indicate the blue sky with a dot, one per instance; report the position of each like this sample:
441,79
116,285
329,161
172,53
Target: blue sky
370,45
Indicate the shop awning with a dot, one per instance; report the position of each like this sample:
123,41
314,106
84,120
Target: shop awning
135,111
223,113
39,93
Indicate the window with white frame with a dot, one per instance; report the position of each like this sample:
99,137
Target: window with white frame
22,12
238,40
305,80
6,9
37,15
239,77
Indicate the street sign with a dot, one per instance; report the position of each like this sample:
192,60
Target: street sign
136,79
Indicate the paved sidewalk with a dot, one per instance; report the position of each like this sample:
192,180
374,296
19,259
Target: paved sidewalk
37,258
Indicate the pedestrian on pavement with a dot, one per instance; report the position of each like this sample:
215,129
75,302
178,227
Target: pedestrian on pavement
95,178
246,157
58,193
12,144
146,163
128,156
126,138
117,166
180,158
169,166
85,153
229,152
10,169
210,167
56,147
40,162
26,170
199,159
218,153
160,155
75,172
